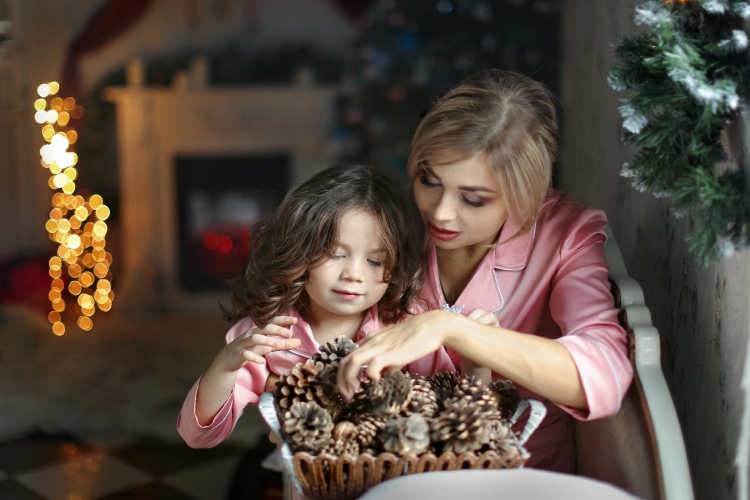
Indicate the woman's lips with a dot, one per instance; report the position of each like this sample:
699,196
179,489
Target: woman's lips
442,234
348,295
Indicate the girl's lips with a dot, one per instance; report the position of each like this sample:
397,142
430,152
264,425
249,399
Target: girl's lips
347,295
442,234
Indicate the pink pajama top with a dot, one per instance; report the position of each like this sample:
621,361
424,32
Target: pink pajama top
552,282
251,380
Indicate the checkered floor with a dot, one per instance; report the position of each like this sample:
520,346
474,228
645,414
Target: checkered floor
42,467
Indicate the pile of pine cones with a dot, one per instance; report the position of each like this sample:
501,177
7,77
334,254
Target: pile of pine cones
401,414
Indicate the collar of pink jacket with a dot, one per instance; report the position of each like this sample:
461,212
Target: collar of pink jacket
483,290
310,346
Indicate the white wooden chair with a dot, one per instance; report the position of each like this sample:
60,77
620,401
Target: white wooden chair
641,449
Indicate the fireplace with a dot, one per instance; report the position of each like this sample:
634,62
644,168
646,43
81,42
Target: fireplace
219,200
259,139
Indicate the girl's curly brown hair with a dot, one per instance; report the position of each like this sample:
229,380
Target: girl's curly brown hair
303,233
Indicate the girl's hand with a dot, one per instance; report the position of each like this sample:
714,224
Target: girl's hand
255,343
393,347
483,317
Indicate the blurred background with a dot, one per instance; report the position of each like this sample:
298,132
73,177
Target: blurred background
191,119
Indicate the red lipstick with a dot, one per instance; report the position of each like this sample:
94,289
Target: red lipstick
442,234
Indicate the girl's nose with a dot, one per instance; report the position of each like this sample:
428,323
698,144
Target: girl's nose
352,270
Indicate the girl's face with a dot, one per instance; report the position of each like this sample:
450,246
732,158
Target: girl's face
352,281
460,203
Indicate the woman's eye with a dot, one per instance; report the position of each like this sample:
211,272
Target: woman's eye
375,263
474,203
337,256
424,180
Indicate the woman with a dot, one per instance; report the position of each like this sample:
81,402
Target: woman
500,242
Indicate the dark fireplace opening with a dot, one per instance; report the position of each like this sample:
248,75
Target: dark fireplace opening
220,199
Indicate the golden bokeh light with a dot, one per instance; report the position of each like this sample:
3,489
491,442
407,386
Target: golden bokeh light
80,253
85,323
87,279
63,118
74,241
74,270
100,229
102,213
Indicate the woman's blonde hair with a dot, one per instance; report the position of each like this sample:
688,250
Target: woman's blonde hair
507,118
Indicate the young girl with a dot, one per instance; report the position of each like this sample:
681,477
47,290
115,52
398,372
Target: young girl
336,259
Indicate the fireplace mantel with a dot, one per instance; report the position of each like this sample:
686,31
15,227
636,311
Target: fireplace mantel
157,125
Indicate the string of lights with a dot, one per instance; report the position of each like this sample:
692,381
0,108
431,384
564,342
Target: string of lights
76,224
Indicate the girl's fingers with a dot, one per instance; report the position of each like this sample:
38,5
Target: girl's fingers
253,357
476,314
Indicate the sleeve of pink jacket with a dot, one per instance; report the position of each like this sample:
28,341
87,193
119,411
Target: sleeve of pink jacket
250,384
581,304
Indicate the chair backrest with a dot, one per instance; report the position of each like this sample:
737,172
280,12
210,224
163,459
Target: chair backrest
641,448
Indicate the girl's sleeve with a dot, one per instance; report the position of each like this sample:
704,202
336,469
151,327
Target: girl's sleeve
250,384
581,304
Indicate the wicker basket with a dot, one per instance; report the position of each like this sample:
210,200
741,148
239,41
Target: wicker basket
346,477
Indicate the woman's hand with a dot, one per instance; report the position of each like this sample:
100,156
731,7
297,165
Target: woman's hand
393,347
255,343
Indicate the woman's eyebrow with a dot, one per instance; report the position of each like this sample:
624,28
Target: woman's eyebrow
472,189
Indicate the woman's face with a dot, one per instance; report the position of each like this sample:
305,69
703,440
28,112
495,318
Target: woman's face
460,203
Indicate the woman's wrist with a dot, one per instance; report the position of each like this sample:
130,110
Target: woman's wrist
449,329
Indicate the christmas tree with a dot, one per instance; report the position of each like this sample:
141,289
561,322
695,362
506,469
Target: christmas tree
688,72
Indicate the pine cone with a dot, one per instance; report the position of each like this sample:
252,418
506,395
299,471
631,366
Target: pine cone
307,427
463,425
368,427
508,396
470,387
389,396
423,397
403,435
501,437
444,383
309,381
344,440
334,350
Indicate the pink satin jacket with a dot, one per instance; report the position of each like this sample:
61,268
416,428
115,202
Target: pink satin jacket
552,282
251,380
